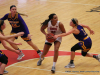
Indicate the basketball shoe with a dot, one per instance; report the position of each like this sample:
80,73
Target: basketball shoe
70,65
53,69
98,57
40,61
20,56
5,72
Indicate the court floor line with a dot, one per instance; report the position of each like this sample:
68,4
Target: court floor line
46,70
39,68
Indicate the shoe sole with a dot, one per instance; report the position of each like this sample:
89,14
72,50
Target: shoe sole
70,67
52,71
21,57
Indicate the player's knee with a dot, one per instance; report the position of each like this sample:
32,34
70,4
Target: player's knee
83,54
56,51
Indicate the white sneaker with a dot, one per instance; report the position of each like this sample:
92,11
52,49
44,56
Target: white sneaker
70,65
39,62
98,57
5,72
53,69
20,56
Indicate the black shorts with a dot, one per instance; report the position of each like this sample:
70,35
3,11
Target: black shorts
4,59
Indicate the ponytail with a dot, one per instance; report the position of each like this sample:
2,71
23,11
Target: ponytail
22,14
47,20
18,12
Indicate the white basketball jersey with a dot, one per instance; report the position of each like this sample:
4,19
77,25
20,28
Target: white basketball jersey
54,29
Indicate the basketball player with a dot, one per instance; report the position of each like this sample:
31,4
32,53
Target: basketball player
84,43
56,27
3,39
18,25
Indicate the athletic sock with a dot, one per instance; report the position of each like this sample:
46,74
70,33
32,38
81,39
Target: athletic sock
19,49
54,63
38,51
94,56
71,61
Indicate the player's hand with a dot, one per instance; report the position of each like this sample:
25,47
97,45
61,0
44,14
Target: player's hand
55,36
20,33
18,43
92,32
29,36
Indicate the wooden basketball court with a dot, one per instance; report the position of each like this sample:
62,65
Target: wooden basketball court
86,11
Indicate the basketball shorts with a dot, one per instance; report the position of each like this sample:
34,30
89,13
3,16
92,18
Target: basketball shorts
3,58
85,44
24,37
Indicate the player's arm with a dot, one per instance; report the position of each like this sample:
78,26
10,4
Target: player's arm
5,17
2,37
7,47
11,42
61,26
65,34
85,26
25,28
43,27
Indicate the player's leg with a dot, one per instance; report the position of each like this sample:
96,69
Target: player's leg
2,68
4,61
93,56
45,50
56,48
16,48
5,71
26,37
73,49
34,47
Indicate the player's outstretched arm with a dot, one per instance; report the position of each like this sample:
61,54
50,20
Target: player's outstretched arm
85,26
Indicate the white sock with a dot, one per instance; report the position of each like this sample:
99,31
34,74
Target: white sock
54,63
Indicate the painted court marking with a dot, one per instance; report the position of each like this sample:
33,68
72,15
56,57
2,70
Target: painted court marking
32,55
38,68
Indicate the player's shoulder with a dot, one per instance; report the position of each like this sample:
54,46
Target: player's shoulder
7,14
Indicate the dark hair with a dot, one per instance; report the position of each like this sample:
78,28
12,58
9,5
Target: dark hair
17,12
1,23
75,21
47,20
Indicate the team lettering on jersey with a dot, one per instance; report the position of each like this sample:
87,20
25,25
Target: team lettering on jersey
53,30
14,24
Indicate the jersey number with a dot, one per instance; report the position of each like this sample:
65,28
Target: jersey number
83,31
53,32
